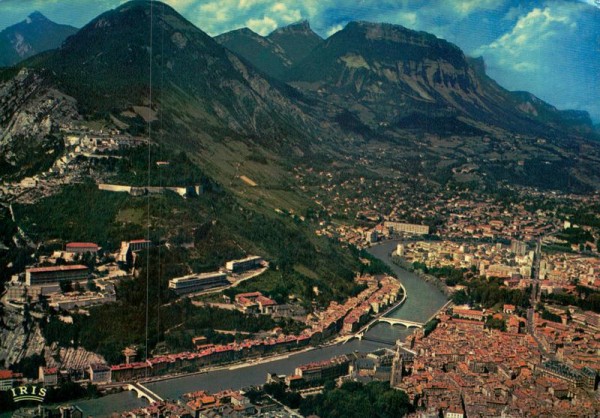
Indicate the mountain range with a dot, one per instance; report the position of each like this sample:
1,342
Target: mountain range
33,35
294,97
389,75
276,53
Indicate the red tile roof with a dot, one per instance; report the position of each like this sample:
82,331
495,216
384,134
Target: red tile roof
249,295
82,245
6,374
265,301
56,268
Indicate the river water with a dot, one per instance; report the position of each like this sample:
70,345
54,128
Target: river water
423,300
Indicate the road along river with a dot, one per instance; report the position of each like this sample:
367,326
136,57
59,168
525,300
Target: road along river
423,300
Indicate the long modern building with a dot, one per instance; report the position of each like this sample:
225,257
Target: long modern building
82,247
198,282
55,274
139,244
244,264
401,227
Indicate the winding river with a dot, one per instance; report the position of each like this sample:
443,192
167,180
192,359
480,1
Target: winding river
423,300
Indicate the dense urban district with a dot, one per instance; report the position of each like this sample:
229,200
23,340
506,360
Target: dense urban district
231,222
520,266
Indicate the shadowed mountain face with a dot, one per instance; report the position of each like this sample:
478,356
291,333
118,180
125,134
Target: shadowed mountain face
297,40
274,54
33,35
261,52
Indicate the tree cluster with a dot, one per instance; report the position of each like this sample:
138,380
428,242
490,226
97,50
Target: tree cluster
489,292
354,399
586,299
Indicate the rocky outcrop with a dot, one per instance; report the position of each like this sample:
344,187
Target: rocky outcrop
20,337
30,117
71,358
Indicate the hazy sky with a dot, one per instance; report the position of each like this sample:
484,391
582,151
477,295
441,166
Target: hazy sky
551,47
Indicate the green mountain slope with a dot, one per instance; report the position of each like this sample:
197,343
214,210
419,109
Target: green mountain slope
276,53
261,52
195,81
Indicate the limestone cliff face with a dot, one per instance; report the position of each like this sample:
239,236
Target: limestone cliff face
30,116
389,70
392,76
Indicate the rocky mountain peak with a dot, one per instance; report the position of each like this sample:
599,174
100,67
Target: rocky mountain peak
297,40
33,35
232,36
302,26
36,17
478,64
387,32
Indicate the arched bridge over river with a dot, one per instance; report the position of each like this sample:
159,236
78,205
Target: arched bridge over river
143,392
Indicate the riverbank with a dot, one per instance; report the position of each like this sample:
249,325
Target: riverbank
424,301
231,366
439,283
336,339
